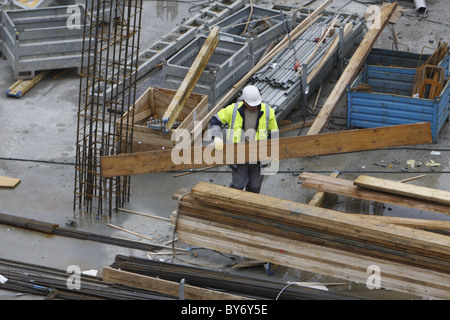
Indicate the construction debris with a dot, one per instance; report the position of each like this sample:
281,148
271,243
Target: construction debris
166,287
51,283
51,228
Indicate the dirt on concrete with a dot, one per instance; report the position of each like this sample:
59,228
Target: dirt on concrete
37,145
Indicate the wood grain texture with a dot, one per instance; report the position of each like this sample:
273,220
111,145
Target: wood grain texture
290,147
409,190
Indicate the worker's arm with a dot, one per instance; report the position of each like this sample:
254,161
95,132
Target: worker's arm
217,122
220,120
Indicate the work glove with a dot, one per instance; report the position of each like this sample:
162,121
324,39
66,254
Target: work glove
218,143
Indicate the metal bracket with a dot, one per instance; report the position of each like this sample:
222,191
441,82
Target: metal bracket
341,50
181,289
305,84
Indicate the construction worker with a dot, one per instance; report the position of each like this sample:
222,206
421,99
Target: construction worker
249,119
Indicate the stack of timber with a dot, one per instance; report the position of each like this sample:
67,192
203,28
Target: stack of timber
314,239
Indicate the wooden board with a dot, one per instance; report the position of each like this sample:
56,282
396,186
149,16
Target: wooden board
167,287
320,196
290,147
351,70
191,78
411,222
7,182
20,87
347,188
409,190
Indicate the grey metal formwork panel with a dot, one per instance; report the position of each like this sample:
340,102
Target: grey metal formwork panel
227,65
182,35
39,39
264,26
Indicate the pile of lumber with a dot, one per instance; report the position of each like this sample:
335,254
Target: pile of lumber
314,239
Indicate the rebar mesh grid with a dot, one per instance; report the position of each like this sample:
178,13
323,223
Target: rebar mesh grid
107,92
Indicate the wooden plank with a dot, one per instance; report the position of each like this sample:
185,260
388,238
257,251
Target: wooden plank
297,125
352,70
7,182
409,190
320,196
20,87
289,147
167,287
347,188
191,78
196,114
411,222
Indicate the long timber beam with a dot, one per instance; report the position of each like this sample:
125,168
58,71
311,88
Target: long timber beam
290,147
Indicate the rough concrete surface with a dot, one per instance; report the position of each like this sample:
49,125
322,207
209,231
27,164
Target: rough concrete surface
38,134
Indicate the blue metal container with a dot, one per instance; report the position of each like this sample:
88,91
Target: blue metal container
390,101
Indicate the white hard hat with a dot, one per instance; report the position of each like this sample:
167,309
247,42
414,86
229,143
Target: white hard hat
251,95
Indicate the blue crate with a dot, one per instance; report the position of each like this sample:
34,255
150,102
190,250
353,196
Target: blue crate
391,103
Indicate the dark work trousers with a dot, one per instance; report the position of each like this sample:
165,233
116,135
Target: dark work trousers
246,176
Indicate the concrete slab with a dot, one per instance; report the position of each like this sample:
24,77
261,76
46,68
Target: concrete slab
38,134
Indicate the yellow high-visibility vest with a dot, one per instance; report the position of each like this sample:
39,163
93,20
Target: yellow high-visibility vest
230,115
